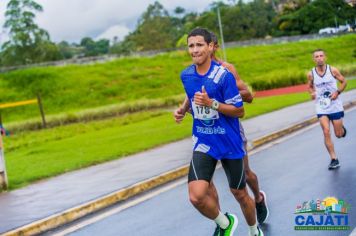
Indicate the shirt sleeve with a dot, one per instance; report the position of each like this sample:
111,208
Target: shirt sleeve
231,93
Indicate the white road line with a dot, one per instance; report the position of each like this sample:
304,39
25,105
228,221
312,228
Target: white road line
120,208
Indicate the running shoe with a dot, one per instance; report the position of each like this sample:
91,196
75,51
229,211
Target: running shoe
334,164
217,230
262,209
345,131
260,233
229,231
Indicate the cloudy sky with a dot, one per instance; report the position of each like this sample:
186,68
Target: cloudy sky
71,20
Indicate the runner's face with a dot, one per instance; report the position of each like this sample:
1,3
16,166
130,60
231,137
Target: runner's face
319,58
199,50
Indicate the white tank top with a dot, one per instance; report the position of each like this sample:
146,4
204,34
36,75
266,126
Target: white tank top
325,85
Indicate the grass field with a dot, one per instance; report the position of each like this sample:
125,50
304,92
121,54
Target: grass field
70,89
39,154
86,94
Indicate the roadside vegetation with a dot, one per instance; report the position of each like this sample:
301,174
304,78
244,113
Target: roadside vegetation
35,155
105,111
68,90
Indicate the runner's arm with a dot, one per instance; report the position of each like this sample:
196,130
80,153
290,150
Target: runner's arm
179,113
336,73
231,110
244,91
186,104
311,88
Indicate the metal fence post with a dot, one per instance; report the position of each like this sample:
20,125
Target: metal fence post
39,100
3,174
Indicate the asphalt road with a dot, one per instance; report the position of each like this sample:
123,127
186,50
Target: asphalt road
290,171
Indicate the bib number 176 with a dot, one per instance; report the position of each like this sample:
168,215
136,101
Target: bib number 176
204,113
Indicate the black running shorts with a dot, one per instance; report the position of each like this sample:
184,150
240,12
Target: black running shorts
202,167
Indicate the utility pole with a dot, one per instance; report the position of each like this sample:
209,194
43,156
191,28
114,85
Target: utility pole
221,35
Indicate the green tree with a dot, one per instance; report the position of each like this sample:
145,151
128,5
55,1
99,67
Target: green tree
89,46
240,21
27,43
65,50
122,48
179,10
92,48
155,30
102,46
316,15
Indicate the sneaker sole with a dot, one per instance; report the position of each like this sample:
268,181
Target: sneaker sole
334,167
235,225
265,199
260,232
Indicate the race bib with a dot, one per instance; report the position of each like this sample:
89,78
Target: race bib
324,99
204,113
324,102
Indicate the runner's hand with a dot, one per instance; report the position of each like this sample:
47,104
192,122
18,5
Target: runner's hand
179,114
313,95
202,98
334,95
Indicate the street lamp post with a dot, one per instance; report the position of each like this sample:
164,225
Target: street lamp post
221,35
335,22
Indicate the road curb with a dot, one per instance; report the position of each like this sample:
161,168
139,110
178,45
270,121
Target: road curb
77,212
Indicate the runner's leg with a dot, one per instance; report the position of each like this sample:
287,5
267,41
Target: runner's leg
213,193
325,125
252,181
338,127
204,203
235,174
201,170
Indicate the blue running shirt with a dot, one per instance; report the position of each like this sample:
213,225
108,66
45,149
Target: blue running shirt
214,133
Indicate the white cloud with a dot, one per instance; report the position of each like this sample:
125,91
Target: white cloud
117,30
71,20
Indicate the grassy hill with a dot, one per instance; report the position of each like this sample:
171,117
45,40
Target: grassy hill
72,88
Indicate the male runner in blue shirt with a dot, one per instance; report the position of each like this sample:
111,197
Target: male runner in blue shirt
216,105
262,211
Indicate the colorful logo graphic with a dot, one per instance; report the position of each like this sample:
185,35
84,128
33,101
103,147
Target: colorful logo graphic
328,214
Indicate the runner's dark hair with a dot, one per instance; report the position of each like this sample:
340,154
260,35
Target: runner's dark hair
201,32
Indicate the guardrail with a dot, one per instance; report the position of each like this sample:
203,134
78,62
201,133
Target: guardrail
38,100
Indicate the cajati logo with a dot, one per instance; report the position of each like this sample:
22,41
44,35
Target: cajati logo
327,214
